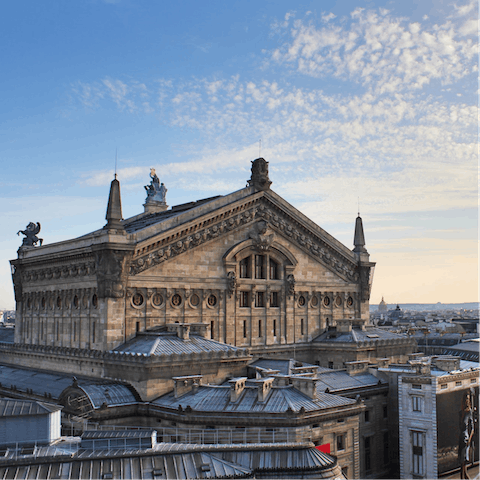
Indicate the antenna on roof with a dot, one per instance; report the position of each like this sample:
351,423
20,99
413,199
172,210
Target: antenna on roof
115,162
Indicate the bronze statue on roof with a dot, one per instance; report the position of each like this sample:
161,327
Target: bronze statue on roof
30,233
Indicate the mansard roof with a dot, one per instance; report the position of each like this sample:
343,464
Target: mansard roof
369,335
216,398
168,343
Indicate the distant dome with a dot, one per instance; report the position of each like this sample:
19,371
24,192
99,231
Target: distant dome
382,307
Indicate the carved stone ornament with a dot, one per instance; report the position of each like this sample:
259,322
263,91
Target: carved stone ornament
259,178
309,242
290,284
261,240
365,273
111,273
30,233
232,283
188,242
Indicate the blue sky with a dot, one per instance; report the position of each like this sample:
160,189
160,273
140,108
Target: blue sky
369,102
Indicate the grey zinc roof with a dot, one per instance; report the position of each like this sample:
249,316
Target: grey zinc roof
16,408
41,382
7,335
357,335
284,366
109,393
136,224
170,344
276,459
341,380
210,398
177,461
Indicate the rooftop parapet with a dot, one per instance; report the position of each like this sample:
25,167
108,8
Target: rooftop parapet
354,368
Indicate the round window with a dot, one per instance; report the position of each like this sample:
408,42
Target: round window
301,300
349,302
212,300
59,302
314,301
338,301
95,301
43,302
75,301
326,301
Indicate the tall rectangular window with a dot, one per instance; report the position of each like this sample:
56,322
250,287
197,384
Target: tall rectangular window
301,327
385,448
259,266
368,453
244,329
274,328
245,271
340,442
273,270
93,332
260,299
274,299
244,299
259,328
74,331
417,404
367,416
417,452
212,329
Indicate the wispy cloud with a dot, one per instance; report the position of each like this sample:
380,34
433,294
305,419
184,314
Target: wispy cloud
384,53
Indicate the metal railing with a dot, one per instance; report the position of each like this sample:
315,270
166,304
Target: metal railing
72,446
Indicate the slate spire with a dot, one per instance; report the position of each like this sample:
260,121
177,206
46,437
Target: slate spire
359,237
114,207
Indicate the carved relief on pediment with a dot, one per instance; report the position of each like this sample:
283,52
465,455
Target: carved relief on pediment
309,241
187,242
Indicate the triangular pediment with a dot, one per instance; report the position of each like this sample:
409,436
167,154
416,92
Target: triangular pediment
235,212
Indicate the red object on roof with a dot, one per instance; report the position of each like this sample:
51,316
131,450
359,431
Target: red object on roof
325,448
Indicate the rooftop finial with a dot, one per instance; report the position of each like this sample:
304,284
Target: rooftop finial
114,207
359,237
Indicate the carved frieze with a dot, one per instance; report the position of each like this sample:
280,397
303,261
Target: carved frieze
60,271
190,241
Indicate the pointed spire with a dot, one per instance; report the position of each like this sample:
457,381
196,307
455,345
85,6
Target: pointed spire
114,207
359,237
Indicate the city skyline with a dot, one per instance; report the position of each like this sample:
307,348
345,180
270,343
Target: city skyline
359,106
